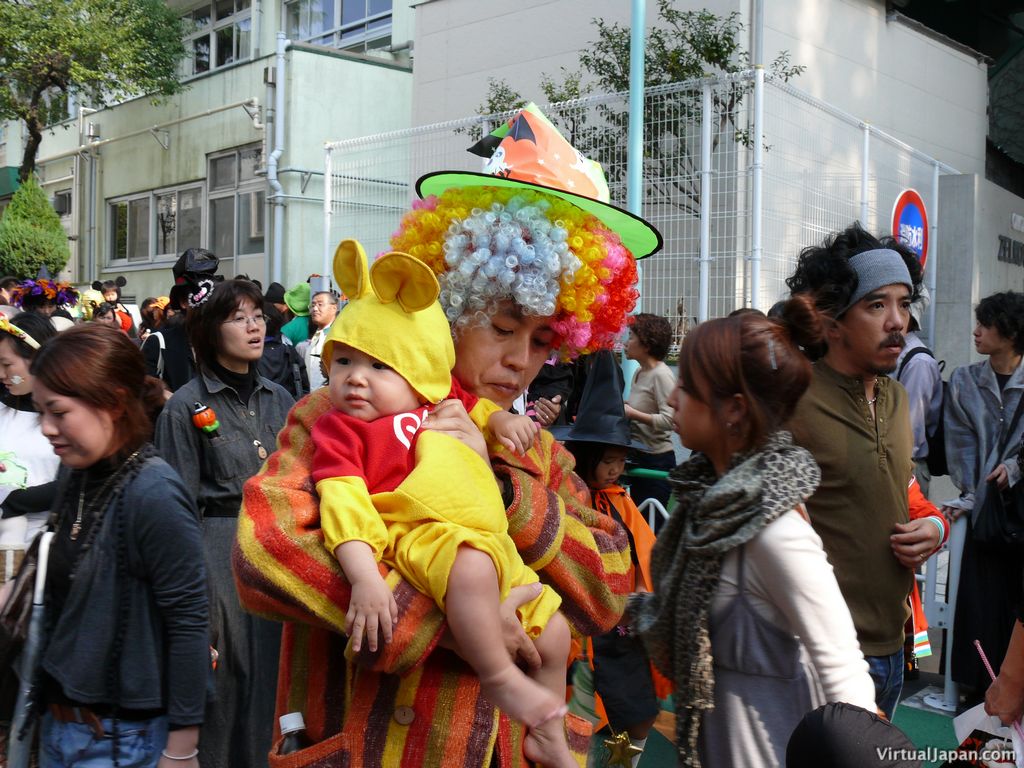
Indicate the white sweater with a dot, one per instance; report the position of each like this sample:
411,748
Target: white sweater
790,582
22,442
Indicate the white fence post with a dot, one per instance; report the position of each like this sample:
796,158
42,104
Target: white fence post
933,249
945,616
328,189
705,203
865,175
756,193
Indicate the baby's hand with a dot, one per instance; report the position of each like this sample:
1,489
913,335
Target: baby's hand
516,433
371,607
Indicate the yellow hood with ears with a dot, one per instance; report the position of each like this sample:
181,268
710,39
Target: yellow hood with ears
393,315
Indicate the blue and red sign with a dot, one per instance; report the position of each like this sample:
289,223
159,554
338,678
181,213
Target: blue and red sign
910,223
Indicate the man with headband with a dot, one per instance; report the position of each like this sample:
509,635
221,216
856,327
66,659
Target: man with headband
855,420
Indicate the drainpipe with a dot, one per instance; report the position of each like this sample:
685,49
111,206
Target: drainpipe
81,190
272,162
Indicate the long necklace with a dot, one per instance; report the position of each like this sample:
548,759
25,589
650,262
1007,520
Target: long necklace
76,526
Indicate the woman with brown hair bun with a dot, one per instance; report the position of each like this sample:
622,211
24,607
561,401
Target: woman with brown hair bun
126,659
746,617
648,409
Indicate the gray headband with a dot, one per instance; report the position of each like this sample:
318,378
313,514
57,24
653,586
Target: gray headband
876,269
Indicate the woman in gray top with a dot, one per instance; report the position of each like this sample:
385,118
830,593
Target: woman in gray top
126,660
227,331
647,407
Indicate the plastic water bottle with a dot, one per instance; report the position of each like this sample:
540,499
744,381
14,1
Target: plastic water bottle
293,729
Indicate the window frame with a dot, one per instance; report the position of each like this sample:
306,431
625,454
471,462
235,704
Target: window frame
336,29
209,31
252,188
151,196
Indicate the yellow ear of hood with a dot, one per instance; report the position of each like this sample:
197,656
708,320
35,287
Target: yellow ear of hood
351,272
393,315
400,277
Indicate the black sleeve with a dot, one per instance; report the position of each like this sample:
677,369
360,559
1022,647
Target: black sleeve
151,354
296,363
552,380
37,498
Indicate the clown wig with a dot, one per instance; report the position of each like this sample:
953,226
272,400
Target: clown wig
545,254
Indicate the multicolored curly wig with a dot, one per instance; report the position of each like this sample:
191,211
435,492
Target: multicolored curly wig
545,254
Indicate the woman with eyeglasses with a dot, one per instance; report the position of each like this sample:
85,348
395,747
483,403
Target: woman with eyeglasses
217,430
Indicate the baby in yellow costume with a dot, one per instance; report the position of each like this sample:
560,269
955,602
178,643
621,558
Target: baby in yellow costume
424,502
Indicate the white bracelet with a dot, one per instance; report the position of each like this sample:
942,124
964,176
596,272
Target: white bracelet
189,756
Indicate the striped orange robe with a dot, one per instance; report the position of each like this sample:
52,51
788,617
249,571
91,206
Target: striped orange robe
410,703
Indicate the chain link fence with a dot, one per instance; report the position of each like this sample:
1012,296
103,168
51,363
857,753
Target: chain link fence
740,172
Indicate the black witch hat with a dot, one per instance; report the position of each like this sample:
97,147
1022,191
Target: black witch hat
601,417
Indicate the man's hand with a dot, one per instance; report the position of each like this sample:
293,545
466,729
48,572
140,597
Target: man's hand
1005,699
952,513
913,542
547,410
518,644
999,476
450,418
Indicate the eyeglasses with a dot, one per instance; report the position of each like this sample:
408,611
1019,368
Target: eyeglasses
321,304
243,322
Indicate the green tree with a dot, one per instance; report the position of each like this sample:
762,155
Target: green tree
31,234
682,45
94,50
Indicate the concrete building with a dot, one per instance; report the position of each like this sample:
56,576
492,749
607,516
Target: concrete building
137,183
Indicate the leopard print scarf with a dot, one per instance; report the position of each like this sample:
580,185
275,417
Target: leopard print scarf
713,516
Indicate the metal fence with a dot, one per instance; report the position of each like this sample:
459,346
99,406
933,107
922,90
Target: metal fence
740,172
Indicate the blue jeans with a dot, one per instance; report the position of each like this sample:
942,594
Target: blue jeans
887,674
139,743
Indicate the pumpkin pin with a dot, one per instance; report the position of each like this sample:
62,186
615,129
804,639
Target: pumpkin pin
205,420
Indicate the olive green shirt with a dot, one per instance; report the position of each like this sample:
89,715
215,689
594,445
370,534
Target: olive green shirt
866,467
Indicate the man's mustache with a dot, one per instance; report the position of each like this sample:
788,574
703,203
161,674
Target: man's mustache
894,340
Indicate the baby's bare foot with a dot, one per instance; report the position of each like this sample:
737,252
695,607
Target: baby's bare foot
546,744
521,698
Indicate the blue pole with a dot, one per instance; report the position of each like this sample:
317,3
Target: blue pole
635,145
635,148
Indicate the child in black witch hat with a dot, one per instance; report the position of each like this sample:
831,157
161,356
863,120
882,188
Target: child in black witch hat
627,687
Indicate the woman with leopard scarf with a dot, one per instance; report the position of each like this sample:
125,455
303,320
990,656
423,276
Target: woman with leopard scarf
746,617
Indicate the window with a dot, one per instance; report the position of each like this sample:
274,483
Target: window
236,204
3,145
155,225
62,202
219,34
358,25
179,219
129,228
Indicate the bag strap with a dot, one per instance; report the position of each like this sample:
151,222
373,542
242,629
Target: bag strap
160,359
910,354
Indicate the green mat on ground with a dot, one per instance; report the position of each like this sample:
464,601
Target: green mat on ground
926,729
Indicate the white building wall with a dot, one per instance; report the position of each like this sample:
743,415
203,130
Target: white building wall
927,93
